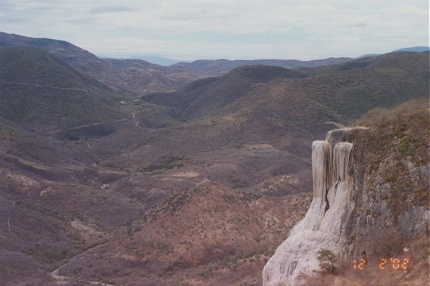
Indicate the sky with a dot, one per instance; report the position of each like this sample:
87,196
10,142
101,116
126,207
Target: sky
229,29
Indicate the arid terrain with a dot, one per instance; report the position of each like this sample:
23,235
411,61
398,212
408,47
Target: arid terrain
177,177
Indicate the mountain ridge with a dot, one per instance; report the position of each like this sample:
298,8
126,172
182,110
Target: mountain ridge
195,186
371,82
129,74
41,92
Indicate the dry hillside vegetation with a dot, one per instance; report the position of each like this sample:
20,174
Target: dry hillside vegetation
397,139
195,187
140,77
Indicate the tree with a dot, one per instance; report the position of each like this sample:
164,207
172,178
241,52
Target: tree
327,259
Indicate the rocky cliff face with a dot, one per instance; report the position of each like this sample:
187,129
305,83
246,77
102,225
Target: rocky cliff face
352,203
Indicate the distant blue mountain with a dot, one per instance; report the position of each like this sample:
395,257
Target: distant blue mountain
414,49
162,61
417,49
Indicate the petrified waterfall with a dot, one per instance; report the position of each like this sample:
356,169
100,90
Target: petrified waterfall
324,221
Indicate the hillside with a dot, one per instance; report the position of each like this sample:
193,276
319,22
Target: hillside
138,76
306,98
244,153
198,186
84,206
203,97
353,88
220,67
41,93
370,204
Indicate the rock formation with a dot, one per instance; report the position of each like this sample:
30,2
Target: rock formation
342,211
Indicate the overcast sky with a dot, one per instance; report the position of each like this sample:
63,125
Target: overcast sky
232,29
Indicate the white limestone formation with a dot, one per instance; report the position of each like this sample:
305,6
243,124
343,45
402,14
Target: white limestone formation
349,206
322,225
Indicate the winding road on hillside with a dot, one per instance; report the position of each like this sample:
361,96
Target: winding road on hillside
63,280
133,117
43,86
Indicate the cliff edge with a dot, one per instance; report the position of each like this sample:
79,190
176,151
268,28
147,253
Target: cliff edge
367,187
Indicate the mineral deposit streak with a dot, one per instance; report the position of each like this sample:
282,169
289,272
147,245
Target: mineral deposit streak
322,225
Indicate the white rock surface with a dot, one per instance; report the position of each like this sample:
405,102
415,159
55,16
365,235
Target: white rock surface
322,225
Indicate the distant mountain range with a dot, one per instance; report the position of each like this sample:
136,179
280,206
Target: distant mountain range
53,65
124,172
414,49
162,61
418,49
139,76
168,62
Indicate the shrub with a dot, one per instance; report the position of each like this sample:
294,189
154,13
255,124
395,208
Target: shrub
327,259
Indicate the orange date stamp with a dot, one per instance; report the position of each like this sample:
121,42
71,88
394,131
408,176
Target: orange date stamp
384,263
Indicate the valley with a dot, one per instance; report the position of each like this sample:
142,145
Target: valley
120,172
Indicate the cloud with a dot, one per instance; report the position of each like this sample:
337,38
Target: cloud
111,9
233,28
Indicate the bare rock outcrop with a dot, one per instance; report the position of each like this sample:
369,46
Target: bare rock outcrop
343,211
